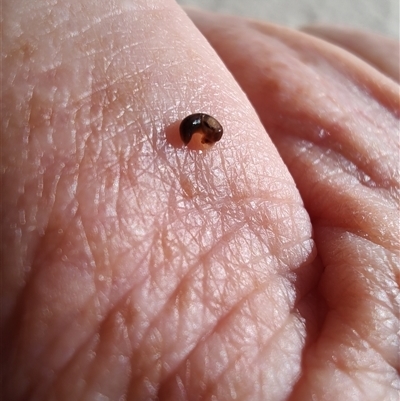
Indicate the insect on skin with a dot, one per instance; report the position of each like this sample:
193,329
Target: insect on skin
206,126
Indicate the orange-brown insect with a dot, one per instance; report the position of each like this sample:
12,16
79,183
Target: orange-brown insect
208,127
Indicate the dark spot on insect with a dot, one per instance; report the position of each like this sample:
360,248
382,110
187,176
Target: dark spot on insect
208,127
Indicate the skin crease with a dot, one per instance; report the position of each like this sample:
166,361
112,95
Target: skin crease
133,270
380,51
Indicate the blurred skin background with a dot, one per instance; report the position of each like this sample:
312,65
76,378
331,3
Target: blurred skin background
378,16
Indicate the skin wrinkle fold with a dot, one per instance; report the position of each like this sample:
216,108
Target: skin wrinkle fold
384,232
272,128
336,55
213,36
263,28
182,282
204,389
376,49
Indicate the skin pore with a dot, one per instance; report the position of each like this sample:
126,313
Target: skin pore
265,268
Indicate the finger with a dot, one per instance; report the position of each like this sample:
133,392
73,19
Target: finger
128,259
335,121
380,51
307,92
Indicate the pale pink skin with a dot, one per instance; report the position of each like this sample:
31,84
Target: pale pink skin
134,270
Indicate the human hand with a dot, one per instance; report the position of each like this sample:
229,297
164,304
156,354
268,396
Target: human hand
134,270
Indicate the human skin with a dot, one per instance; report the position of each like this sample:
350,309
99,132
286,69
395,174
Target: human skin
265,268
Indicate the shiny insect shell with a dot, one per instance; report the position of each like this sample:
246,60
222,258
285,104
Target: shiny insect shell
199,123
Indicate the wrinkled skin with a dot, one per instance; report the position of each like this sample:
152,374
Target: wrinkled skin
265,268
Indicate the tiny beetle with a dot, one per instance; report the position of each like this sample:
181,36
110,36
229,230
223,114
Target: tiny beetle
199,123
